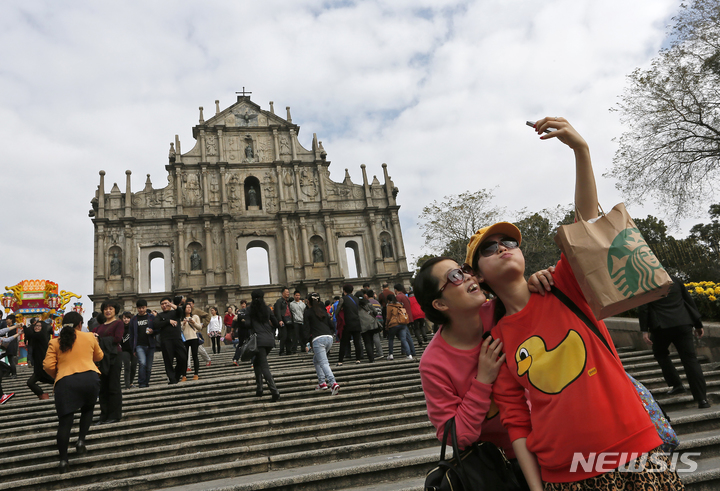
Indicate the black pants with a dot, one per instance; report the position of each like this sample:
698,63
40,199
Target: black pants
192,345
682,338
297,337
130,363
4,371
367,338
345,344
36,377
174,349
111,392
287,333
216,341
415,328
262,370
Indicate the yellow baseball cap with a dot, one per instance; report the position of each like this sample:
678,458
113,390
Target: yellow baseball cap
504,228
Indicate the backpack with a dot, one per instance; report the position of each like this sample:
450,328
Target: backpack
397,315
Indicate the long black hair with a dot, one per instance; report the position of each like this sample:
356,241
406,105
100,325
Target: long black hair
258,307
316,305
67,333
426,288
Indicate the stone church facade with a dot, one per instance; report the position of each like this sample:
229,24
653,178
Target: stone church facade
246,183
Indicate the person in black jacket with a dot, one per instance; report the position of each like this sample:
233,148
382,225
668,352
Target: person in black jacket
318,330
37,335
349,306
263,323
671,320
171,344
284,321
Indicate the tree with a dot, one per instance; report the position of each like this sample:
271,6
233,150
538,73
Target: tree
654,231
708,235
671,150
538,235
448,225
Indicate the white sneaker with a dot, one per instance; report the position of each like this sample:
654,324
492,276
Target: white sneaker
409,357
335,389
390,357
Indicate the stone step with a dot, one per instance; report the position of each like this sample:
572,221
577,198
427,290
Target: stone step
652,364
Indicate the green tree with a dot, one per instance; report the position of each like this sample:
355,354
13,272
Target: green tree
654,231
708,235
448,225
671,149
538,244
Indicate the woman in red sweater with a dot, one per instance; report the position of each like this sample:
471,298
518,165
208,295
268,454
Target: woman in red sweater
584,406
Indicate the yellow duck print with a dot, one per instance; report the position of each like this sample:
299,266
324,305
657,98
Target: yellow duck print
550,371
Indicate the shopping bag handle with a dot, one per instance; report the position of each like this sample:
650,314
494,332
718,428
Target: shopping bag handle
577,212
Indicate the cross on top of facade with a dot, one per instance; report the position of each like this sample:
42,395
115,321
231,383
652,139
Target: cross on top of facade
244,93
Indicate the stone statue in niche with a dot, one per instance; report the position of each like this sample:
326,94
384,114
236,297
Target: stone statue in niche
317,254
386,248
252,196
195,261
115,265
172,154
385,223
192,189
249,154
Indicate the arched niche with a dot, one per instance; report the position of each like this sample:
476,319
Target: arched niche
318,252
387,248
145,256
357,246
196,257
157,281
115,261
257,254
253,198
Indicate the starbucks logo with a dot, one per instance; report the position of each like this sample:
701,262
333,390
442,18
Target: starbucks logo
632,265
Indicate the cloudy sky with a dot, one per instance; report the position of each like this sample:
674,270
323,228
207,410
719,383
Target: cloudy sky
438,89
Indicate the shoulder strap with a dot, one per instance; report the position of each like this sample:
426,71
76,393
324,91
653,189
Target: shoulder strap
351,298
581,315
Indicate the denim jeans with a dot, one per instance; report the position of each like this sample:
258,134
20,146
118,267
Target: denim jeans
145,356
401,332
321,347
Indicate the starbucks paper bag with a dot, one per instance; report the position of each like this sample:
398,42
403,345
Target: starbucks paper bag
612,263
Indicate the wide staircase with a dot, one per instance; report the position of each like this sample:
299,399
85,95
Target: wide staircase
215,433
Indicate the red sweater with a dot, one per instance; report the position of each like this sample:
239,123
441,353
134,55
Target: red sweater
448,380
582,400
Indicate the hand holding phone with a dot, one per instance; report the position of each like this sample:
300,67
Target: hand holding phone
532,125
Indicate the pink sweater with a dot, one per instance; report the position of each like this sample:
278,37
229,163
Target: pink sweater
448,380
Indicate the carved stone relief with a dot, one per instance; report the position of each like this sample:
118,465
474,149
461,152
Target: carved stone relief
234,192
246,117
308,183
270,192
214,188
233,146
265,150
211,145
191,190
284,145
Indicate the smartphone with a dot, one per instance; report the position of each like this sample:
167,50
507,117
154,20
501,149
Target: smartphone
532,125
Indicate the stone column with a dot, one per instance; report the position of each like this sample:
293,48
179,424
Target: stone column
209,268
101,197
128,194
100,273
297,185
181,254
178,190
221,149
229,248
331,242
289,276
203,157
292,144
223,190
400,248
281,184
128,259
366,187
375,238
205,190
321,182
276,140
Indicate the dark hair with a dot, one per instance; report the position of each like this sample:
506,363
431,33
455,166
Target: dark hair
177,299
95,314
67,333
11,317
188,300
243,302
282,289
258,309
113,304
500,310
363,302
426,288
297,292
316,305
399,287
141,303
391,298
166,298
127,315
336,297
348,288
370,293
385,284
327,302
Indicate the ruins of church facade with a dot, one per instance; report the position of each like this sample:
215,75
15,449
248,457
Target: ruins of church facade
247,182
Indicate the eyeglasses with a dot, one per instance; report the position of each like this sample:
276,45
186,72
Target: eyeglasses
457,276
487,249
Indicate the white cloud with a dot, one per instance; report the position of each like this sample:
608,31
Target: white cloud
440,90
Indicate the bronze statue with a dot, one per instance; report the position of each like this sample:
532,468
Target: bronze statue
195,261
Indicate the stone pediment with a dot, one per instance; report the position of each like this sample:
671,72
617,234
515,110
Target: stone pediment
246,114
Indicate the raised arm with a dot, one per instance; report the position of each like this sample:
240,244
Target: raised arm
586,200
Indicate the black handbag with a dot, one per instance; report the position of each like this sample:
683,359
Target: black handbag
480,467
249,348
